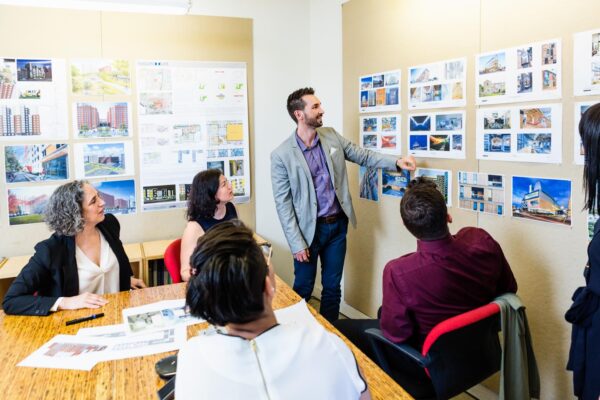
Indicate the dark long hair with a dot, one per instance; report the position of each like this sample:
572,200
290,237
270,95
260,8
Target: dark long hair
230,276
202,202
589,130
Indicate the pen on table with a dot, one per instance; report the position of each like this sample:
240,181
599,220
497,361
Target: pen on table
83,319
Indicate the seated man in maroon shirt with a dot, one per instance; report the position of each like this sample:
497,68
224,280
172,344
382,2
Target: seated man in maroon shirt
446,276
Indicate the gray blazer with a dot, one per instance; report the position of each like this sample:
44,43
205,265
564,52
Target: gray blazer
293,188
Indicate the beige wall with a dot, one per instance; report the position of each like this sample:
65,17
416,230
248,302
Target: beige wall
547,259
53,33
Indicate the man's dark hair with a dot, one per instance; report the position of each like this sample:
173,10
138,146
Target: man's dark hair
230,272
295,102
423,210
201,200
589,130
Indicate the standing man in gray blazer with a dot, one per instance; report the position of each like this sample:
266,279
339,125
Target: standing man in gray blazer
310,187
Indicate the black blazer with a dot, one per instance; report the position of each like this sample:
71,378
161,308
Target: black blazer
52,272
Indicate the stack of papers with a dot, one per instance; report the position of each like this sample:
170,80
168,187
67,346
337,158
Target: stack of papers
150,329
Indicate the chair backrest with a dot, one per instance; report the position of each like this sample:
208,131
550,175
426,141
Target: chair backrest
463,350
457,354
172,260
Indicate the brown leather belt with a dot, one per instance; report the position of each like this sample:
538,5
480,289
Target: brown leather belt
330,219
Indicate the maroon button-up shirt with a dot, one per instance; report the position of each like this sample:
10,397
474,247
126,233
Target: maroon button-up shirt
443,278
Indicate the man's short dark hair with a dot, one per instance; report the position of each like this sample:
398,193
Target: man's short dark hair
230,272
423,210
295,102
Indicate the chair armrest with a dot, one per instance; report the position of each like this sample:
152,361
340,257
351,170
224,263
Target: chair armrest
378,342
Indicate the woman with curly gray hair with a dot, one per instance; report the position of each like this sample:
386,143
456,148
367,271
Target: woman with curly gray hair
83,259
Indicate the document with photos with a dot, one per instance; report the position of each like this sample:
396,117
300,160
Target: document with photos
118,330
159,315
81,352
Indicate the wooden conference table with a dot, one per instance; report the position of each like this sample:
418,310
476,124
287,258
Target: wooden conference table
132,378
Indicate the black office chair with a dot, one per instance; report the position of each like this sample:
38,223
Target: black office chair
458,353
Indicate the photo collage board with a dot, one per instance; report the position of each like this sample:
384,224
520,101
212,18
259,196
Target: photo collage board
33,134
586,68
481,192
516,120
102,127
193,116
437,134
580,108
526,133
379,92
531,72
381,133
36,96
438,85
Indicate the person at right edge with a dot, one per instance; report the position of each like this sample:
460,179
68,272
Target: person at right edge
584,314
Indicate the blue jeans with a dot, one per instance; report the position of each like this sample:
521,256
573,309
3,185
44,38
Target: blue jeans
329,245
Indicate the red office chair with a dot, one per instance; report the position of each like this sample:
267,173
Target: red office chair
172,261
457,354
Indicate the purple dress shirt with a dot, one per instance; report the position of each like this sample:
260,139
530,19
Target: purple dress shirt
327,202
443,278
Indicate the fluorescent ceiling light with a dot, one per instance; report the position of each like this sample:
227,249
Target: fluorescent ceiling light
177,7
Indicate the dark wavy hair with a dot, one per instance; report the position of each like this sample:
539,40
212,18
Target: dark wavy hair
230,272
202,202
295,102
589,130
423,210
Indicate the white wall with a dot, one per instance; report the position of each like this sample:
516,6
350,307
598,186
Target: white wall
297,43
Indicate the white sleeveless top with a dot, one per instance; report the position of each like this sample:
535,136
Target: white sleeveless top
289,361
98,279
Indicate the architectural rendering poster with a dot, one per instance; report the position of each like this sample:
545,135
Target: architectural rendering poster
541,199
36,162
192,115
105,159
580,108
379,92
394,183
442,179
118,196
525,73
381,133
586,63
441,84
531,133
33,99
437,135
368,184
26,205
101,120
100,77
481,192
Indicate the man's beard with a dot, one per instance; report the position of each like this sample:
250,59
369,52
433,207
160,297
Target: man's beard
314,122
